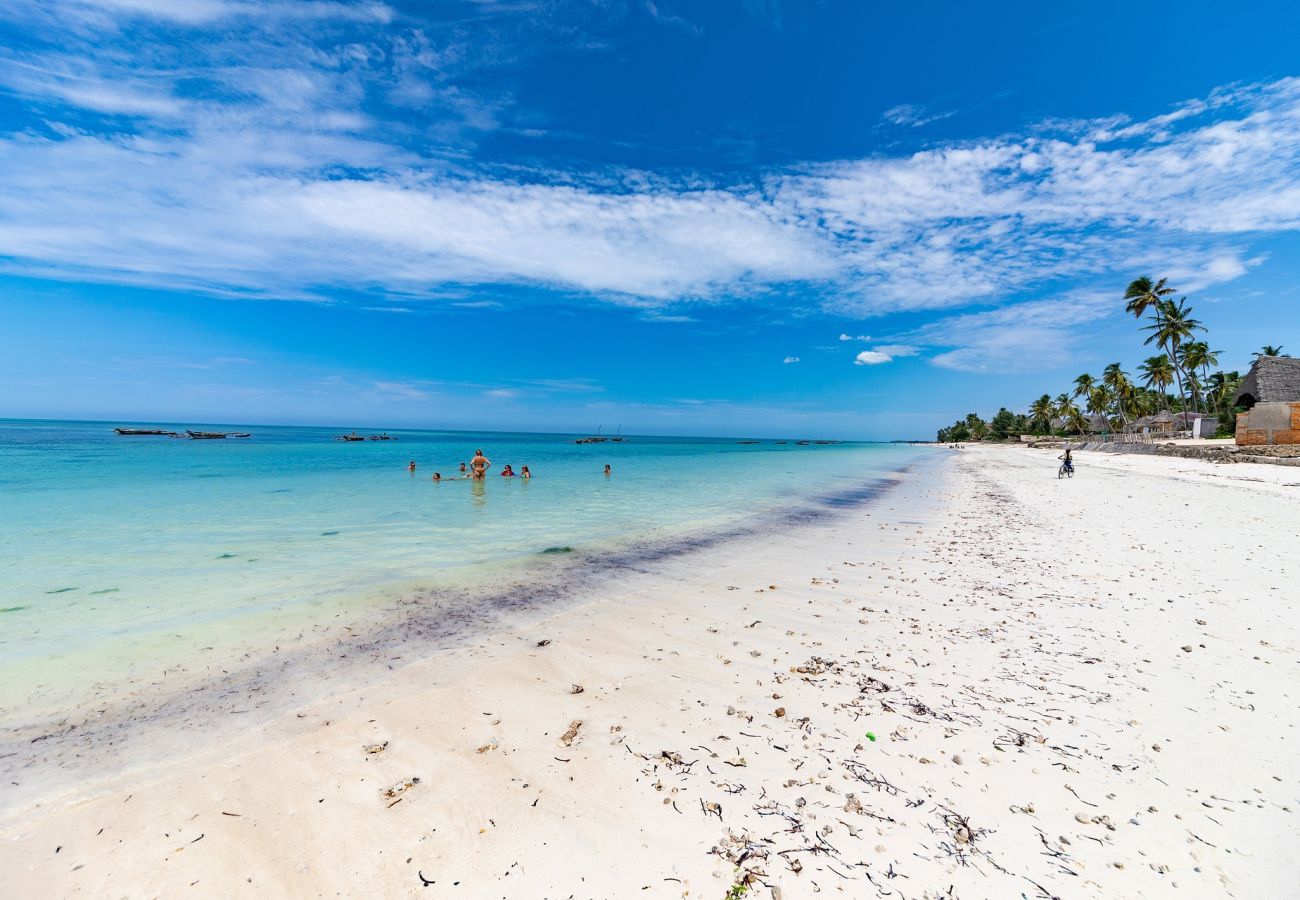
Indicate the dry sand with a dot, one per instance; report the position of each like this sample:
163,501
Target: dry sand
1075,688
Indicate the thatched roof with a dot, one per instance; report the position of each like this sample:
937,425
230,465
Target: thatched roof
1271,379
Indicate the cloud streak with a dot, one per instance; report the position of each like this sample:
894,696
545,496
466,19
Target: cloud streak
304,181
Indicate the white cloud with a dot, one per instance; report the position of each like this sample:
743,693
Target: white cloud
897,350
871,358
914,116
286,181
790,359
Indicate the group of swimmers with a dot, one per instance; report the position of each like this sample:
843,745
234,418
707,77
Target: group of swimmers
478,466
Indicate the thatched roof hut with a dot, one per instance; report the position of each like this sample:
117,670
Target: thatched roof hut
1272,379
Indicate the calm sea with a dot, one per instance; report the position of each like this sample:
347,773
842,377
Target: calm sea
122,556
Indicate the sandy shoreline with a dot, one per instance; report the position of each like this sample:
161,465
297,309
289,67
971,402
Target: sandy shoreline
1014,644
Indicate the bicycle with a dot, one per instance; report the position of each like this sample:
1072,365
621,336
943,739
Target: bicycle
1066,470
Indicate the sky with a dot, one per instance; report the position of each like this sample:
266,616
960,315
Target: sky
735,217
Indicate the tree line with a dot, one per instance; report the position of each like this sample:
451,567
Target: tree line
1184,363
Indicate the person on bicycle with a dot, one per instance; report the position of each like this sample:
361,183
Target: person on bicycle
1068,460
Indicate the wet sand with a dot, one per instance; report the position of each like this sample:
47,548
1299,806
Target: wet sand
987,683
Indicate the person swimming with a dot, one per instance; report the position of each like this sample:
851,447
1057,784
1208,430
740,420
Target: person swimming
608,471
479,464
507,472
411,467
462,469
437,476
524,473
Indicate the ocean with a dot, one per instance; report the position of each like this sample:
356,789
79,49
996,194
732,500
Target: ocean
122,558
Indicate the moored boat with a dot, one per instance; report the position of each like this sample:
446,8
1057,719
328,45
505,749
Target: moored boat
145,431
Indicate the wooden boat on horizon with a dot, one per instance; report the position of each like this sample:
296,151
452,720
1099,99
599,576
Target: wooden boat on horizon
206,435
350,437
162,432
599,438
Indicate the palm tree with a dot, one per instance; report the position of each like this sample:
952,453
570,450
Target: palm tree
1159,374
1222,386
1143,294
1083,385
1100,399
1269,350
1173,327
1198,355
1117,380
1040,413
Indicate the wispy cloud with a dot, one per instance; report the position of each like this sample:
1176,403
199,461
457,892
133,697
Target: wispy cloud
790,359
175,156
849,337
914,116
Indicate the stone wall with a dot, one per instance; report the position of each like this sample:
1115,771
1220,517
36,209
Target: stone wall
1269,423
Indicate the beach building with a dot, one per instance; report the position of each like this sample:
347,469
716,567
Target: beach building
1166,422
1270,394
1092,424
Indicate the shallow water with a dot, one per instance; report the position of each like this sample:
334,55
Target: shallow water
123,556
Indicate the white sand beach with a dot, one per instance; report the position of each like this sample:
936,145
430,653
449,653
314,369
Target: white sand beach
990,683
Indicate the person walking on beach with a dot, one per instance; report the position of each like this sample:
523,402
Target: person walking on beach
479,464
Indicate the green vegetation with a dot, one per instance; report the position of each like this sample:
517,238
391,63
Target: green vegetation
1116,399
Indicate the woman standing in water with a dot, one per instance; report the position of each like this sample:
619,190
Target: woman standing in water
479,464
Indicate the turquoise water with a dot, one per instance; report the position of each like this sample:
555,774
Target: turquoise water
119,556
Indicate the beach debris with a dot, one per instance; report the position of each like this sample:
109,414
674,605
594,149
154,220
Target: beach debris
398,790
1187,648
372,749
871,737
576,689
571,733
543,642
779,712
486,747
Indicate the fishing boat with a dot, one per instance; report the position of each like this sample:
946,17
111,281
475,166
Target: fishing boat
350,437
142,431
382,437
240,434
596,438
206,435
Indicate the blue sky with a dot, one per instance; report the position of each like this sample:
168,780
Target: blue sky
841,219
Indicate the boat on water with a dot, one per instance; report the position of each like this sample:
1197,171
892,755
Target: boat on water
144,431
206,435
382,437
240,434
350,437
599,438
